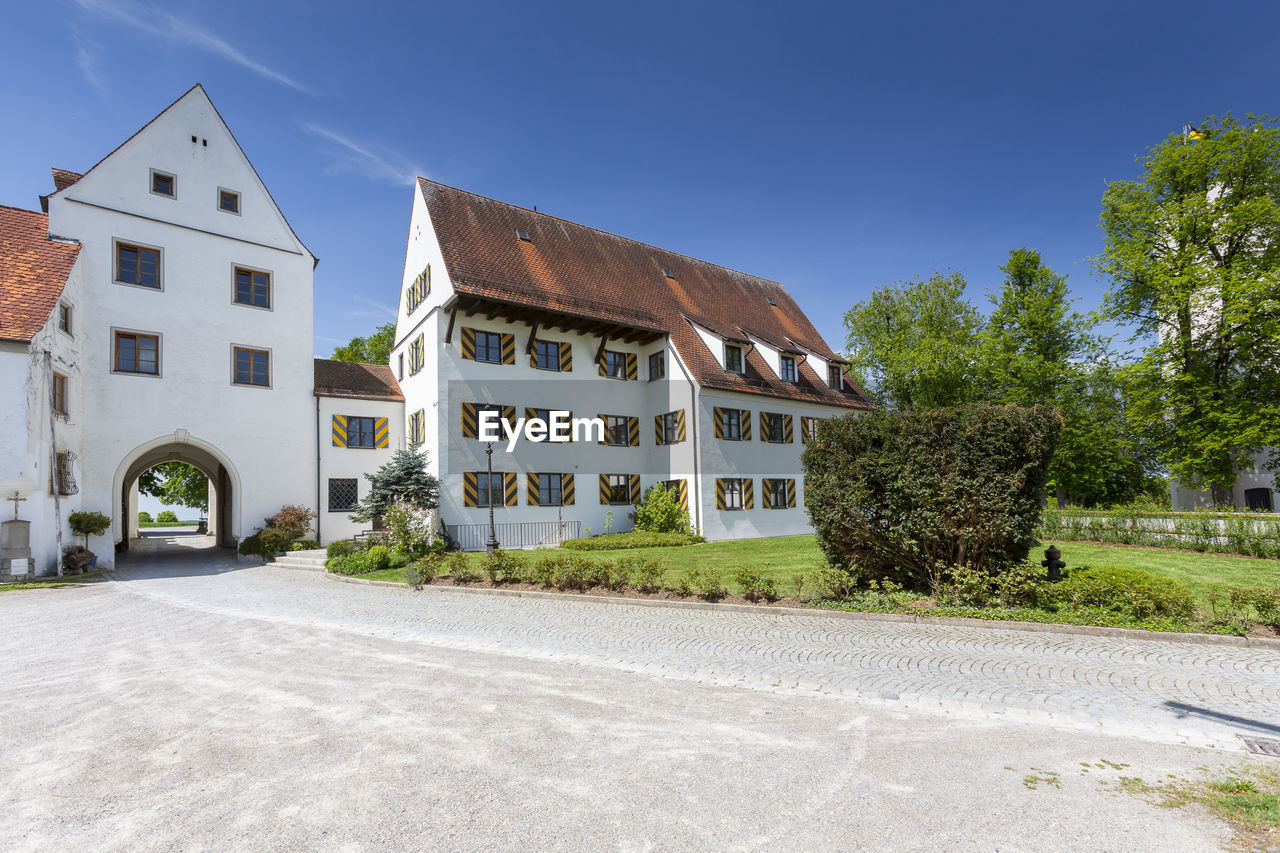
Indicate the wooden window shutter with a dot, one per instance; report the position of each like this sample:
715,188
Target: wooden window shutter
600,363
511,489
791,494
381,433
470,421
682,490
530,414
748,498
468,343
632,371
532,492
788,434
470,487
508,348
657,430
764,426
566,489
606,438
339,430
766,497
719,423
606,494
634,483
745,417
720,502
509,415
566,356
680,425
633,432
805,428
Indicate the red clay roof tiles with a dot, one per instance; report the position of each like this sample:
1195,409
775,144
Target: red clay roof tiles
351,379
33,271
579,270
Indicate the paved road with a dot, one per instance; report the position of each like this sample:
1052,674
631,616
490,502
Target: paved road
198,705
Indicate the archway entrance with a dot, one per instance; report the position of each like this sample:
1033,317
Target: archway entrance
224,487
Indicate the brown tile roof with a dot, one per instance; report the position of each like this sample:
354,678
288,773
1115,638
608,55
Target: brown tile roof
33,271
350,379
63,178
579,270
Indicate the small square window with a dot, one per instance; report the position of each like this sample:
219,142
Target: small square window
772,426
360,432
252,367
733,358
64,317
550,489
617,430
731,424
162,183
619,489
615,364
343,494
137,265
489,347
228,201
777,493
253,288
788,368
136,353
732,494
488,489
657,365
548,355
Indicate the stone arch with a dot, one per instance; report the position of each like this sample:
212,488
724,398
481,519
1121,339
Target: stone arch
180,446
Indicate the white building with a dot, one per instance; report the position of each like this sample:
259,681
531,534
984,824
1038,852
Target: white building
708,378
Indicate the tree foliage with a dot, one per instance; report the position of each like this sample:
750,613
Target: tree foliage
659,511
375,349
405,478
906,496
1192,248
176,484
912,344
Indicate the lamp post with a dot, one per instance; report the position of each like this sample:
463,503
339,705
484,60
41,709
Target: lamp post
492,544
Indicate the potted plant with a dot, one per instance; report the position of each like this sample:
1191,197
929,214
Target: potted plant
86,524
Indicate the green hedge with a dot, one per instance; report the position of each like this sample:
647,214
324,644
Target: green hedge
1250,534
634,539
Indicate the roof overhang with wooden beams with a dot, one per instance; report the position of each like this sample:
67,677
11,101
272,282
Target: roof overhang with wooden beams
567,321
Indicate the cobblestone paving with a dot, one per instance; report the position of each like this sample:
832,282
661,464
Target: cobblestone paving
1204,695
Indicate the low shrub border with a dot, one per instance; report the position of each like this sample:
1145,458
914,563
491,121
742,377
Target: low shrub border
633,539
1247,534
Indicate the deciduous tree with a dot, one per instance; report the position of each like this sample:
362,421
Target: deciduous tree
375,349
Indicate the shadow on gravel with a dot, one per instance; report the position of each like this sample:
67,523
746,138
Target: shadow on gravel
1184,710
204,561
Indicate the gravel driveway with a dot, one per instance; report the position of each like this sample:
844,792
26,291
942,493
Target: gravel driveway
195,704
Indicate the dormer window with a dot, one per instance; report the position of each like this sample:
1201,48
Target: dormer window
162,183
835,377
788,368
733,358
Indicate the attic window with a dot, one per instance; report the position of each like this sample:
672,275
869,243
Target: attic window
163,183
524,235
668,273
228,201
769,299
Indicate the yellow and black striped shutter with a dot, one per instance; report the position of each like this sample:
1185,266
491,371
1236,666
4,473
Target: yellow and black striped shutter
530,413
745,417
533,354
511,489
657,430
381,433
681,491
748,496
764,426
566,356
791,494
339,430
720,502
632,370
509,415
566,489
718,416
532,491
508,348
468,343
633,432
607,437
634,483
788,434
470,421
679,424
805,428
469,489
766,497
606,493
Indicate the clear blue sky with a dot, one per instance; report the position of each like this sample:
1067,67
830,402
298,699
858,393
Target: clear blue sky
834,147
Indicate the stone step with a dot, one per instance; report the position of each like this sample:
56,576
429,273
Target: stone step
306,560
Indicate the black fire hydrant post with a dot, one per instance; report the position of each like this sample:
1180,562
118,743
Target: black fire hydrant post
1053,562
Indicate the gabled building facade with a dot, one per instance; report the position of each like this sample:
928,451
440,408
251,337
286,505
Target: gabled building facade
707,380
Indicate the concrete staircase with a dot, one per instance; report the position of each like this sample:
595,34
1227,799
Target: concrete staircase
307,561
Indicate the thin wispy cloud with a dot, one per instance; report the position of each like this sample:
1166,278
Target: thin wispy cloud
173,29
87,52
381,310
347,155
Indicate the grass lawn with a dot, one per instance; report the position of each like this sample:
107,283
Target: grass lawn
782,558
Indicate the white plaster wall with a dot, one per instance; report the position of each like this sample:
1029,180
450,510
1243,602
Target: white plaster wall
1254,476
352,462
267,435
